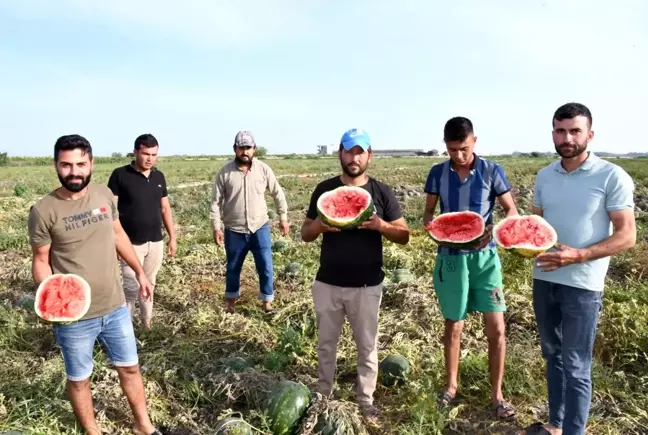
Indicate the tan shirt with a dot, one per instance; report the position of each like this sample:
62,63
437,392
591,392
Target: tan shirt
239,197
82,241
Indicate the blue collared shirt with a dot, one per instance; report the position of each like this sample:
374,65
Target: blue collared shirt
576,204
477,192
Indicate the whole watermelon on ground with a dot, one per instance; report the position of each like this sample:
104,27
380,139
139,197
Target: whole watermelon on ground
393,370
286,406
345,207
460,230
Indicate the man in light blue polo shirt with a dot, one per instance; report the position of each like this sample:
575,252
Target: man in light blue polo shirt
582,196
470,280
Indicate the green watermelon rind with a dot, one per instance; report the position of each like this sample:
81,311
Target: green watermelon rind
393,370
402,276
346,224
225,426
286,406
466,244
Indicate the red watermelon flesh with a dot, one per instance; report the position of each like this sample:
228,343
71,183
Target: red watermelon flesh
526,231
346,204
345,207
62,297
457,227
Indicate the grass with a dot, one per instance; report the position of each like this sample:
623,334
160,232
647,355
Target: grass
201,364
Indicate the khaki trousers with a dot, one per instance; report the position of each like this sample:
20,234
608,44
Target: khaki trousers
360,305
150,256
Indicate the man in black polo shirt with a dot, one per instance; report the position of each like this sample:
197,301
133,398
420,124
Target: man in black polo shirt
141,196
350,276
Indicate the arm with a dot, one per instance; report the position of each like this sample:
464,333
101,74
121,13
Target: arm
502,189
313,226
278,195
167,218
396,231
125,248
430,206
216,202
41,268
392,225
623,237
40,241
432,190
507,203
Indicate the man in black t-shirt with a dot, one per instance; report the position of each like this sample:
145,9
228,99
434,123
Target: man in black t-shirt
350,276
141,196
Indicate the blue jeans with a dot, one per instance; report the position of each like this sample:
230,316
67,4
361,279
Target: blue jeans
237,246
77,340
567,319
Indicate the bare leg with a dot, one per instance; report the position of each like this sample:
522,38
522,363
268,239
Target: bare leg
133,387
81,399
495,328
452,346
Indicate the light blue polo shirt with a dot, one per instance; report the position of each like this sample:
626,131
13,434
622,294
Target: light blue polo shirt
576,204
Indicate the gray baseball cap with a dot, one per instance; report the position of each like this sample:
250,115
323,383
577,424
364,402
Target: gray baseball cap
244,139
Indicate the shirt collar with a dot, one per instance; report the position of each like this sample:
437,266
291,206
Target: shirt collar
132,167
473,165
588,164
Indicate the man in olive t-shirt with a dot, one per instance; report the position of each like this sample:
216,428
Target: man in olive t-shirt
75,229
82,241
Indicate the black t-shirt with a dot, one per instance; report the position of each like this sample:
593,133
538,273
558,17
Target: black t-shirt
354,258
139,204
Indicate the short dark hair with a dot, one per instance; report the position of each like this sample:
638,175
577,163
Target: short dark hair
71,142
570,111
457,129
147,140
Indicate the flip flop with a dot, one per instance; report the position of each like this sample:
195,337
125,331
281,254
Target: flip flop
502,408
444,399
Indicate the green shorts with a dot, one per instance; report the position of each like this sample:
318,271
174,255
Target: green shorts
469,282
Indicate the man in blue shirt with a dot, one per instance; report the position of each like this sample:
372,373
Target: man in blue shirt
582,197
470,280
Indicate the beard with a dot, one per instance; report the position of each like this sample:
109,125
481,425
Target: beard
354,171
568,150
243,161
74,183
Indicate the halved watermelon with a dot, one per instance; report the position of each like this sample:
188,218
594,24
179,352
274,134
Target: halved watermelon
62,298
461,229
345,207
525,235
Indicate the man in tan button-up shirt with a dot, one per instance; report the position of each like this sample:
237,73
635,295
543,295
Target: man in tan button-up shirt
239,198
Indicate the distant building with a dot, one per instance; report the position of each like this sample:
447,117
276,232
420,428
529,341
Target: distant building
405,152
322,149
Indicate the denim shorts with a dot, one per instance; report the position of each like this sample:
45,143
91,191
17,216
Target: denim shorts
77,340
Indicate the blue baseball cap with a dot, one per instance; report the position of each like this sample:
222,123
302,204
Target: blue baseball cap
356,136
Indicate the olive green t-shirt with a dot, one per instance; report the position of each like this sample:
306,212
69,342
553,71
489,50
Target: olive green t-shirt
82,240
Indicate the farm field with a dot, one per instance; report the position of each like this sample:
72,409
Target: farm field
191,358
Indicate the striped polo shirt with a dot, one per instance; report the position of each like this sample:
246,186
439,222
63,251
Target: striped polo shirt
477,192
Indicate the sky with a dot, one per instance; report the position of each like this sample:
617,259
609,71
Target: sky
298,73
